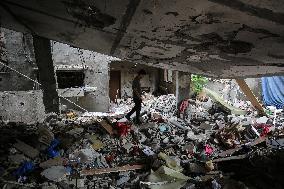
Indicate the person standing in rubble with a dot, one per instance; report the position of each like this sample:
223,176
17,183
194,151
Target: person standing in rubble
137,96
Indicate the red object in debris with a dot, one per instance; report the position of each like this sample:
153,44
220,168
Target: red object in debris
159,120
110,158
136,150
208,150
183,106
123,129
265,129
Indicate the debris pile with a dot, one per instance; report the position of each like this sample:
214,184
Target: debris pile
173,148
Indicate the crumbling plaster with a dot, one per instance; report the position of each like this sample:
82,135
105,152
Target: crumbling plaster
22,106
96,69
19,102
209,37
17,52
216,38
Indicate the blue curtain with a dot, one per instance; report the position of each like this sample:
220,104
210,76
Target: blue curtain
273,91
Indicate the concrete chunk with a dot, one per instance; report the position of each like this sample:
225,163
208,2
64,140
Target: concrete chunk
52,162
227,107
26,149
55,173
18,158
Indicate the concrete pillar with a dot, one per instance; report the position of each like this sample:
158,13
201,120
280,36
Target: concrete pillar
182,83
97,101
16,51
44,62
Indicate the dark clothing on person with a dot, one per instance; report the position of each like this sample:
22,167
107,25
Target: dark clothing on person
136,87
136,108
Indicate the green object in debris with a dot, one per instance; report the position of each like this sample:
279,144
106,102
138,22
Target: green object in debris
171,163
268,112
198,82
167,178
227,107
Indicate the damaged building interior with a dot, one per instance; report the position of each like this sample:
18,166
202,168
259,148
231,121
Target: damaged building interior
205,77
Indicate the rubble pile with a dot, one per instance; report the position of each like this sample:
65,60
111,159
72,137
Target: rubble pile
173,148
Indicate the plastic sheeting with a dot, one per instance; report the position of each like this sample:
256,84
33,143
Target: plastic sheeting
273,91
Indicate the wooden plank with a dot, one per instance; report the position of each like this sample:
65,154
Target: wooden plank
107,127
231,151
230,158
53,162
249,94
111,170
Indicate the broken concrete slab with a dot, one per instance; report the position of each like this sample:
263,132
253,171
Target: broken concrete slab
227,107
18,158
55,173
22,106
167,178
26,149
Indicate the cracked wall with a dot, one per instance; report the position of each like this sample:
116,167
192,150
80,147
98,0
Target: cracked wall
17,52
96,69
22,106
19,102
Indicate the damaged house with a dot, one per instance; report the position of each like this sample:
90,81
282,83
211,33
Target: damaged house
84,77
212,98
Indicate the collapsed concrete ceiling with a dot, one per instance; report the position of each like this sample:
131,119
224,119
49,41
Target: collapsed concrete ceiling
216,38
